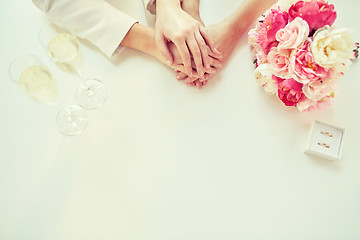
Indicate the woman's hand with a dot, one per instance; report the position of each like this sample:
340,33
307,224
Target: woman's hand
225,41
189,36
195,80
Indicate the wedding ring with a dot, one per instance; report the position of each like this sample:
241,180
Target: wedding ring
323,144
326,133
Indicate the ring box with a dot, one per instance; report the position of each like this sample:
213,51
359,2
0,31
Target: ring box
325,141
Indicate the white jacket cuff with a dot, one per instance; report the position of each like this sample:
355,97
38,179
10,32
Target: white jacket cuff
97,21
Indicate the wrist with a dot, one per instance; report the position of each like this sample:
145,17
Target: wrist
164,5
141,38
190,6
231,29
147,43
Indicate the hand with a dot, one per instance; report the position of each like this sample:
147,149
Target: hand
195,80
225,38
199,82
214,62
174,25
225,41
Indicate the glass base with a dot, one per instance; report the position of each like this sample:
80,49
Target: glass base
91,93
71,120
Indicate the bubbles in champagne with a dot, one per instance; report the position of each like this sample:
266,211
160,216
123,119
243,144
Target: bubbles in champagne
65,51
38,83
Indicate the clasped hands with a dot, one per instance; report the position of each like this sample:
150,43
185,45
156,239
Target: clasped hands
185,43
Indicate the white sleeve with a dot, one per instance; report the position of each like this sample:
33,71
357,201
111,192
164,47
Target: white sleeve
95,20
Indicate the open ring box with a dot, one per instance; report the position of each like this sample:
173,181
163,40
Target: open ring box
325,141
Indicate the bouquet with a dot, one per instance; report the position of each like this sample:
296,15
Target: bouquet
300,57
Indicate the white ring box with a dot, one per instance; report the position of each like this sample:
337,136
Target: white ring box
325,141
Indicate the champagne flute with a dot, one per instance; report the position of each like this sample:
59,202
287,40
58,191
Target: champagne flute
64,50
36,81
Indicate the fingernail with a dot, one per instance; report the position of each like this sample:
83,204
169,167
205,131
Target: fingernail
187,80
218,52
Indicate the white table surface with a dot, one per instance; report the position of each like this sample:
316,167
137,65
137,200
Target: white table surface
164,161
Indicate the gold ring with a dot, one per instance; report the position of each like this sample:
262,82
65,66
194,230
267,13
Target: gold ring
326,133
323,144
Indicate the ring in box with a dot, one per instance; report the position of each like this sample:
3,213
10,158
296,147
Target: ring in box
325,141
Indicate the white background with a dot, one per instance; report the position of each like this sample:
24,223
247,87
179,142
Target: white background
164,161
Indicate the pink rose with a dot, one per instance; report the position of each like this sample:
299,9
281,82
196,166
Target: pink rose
274,21
289,91
303,68
293,35
279,63
316,13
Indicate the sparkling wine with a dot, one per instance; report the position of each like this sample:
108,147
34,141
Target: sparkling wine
65,51
38,83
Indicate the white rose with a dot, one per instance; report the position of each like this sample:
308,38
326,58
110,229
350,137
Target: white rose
263,75
252,40
307,105
333,48
319,89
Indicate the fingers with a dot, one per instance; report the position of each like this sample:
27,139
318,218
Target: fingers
211,71
215,63
163,47
181,75
215,54
190,80
196,54
185,56
181,68
203,49
209,42
193,81
192,53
